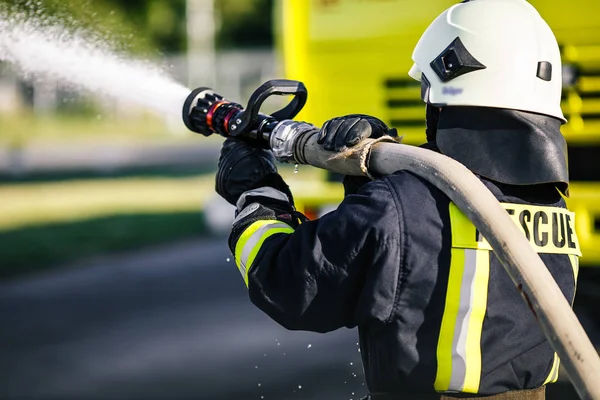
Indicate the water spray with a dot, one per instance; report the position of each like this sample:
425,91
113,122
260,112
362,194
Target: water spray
42,52
207,112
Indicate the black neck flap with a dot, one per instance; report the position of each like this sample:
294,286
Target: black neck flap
507,146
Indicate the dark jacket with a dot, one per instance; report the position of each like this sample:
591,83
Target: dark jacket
435,309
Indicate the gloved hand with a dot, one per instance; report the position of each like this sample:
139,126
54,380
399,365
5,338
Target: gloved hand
342,132
243,167
339,133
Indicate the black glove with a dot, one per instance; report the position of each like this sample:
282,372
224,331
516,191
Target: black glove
342,132
243,167
339,133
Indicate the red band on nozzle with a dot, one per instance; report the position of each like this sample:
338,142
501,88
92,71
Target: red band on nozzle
227,118
211,112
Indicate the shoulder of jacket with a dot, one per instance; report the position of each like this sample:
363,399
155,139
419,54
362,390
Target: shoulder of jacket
407,181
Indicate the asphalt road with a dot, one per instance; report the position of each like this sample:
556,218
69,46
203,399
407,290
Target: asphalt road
170,323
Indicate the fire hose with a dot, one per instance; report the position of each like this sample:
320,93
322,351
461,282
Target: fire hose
207,112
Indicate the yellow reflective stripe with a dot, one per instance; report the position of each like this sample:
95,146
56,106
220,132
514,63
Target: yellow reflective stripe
553,375
459,344
464,233
444,349
548,229
251,241
478,308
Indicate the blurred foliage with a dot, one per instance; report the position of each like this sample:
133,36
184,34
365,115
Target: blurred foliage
147,26
161,22
244,23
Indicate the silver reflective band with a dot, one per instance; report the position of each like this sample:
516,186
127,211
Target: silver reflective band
459,342
263,192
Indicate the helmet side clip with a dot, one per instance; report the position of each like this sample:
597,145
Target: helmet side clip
544,71
455,61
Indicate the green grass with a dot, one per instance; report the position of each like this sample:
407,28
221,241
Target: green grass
45,203
45,225
42,248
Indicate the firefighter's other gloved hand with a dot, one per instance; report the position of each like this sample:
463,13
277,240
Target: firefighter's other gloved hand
243,167
339,133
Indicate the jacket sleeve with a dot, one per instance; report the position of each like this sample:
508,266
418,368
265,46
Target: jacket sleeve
324,274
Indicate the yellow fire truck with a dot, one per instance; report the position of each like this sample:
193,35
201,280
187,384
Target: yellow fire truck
354,57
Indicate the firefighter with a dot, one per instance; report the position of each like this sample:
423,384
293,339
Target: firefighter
437,315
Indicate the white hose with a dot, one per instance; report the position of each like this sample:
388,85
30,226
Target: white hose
523,264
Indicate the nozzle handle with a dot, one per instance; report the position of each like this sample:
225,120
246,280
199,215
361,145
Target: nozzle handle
279,87
207,112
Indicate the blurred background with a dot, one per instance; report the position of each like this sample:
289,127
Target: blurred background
115,277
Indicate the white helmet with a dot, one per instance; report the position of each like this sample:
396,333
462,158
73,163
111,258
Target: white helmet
490,53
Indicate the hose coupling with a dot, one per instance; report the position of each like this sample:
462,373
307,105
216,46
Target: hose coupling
283,139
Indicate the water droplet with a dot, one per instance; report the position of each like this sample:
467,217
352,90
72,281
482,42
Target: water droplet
228,259
352,393
256,367
259,384
296,168
351,363
278,344
299,386
262,397
284,354
309,346
264,355
359,350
